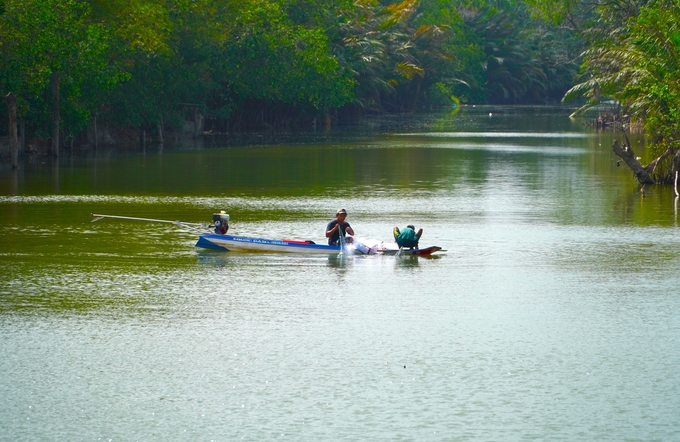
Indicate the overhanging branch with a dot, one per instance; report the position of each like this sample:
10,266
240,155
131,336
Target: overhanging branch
628,156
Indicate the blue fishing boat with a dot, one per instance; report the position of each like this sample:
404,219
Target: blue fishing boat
245,243
215,237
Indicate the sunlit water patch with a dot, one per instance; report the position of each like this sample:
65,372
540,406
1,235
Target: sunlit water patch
484,135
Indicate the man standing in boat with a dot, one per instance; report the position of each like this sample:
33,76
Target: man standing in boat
333,228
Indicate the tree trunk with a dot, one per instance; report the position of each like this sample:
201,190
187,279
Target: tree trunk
676,169
199,125
651,166
627,155
160,130
55,121
13,145
22,146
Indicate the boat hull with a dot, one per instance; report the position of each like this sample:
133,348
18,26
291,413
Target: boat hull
249,244
245,243
420,252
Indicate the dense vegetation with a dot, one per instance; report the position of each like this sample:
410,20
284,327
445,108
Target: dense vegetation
272,63
632,57
276,63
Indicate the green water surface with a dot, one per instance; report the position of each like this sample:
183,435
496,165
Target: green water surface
553,313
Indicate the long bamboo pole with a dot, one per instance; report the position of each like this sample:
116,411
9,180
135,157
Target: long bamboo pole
97,217
195,227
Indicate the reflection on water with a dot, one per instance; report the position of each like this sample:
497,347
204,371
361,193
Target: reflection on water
560,135
408,261
339,261
552,314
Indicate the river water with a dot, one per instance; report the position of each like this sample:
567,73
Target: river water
553,314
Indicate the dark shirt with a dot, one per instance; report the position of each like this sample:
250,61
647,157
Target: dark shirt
334,239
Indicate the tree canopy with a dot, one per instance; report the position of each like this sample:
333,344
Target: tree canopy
138,62
632,57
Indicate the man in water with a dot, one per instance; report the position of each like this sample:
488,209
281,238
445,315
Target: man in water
407,237
333,228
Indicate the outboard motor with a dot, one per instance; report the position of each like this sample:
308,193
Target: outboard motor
221,221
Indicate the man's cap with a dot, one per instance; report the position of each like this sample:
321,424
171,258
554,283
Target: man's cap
340,211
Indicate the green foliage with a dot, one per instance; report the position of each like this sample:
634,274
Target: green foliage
637,63
137,62
520,59
442,95
271,59
40,37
